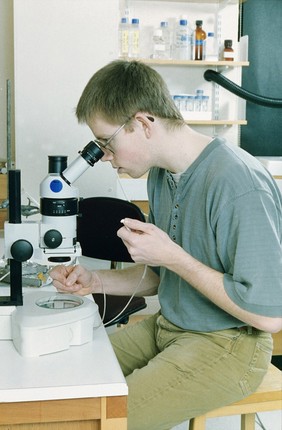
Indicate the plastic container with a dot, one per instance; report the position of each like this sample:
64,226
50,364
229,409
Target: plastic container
198,103
205,103
199,41
183,41
178,101
193,106
162,41
123,37
134,39
211,47
190,103
199,93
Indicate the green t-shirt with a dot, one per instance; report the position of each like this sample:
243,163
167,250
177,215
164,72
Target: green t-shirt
226,211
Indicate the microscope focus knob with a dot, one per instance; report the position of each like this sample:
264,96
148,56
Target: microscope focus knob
53,239
21,250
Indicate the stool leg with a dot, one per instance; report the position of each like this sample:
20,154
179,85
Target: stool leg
197,423
248,421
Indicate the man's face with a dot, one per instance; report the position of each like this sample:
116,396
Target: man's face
127,151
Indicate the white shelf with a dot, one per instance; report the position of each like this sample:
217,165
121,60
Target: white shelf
197,1
192,63
217,122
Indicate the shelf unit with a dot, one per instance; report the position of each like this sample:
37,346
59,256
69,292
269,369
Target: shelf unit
219,65
219,10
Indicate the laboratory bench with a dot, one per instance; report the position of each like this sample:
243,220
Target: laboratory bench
81,388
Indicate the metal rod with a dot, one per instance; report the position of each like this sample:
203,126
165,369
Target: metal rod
14,177
9,127
15,218
16,282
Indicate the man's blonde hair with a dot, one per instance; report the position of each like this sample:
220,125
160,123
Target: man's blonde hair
122,88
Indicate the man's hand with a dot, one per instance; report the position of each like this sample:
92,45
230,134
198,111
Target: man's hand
74,279
146,243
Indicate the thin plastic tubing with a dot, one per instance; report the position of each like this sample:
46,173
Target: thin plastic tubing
212,75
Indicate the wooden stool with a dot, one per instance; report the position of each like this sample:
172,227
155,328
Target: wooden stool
267,398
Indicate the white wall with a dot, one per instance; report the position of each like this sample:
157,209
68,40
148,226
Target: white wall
59,44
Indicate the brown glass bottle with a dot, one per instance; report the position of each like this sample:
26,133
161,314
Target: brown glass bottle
228,52
199,41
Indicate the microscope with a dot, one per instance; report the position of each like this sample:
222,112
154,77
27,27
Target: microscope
52,240
42,322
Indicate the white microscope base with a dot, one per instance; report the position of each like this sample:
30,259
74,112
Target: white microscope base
50,322
5,322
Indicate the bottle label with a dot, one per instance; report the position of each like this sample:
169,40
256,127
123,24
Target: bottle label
124,42
135,43
229,55
182,47
183,39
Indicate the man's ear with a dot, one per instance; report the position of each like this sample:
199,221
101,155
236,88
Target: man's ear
146,121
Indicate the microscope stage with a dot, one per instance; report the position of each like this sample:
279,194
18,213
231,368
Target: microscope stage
51,322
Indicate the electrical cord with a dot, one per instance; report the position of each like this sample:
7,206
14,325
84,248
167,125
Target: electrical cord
139,283
124,192
259,422
129,301
122,188
212,75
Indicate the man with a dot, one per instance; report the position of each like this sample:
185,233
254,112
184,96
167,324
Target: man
211,250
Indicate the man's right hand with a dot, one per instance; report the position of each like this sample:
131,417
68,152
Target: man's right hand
75,280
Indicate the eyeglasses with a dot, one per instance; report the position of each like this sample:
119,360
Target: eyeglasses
108,141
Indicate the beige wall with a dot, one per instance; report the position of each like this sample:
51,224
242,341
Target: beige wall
6,71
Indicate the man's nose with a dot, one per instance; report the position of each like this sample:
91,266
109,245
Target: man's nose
108,155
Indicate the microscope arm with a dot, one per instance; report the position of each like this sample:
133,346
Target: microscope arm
15,298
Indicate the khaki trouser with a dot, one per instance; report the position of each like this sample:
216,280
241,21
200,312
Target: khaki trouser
174,375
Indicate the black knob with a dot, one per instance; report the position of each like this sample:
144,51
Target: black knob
53,239
21,250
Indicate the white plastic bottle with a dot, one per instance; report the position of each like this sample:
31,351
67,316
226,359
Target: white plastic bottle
162,41
134,38
123,37
183,41
199,100
211,47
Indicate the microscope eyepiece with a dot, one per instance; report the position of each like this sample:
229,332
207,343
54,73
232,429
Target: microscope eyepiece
91,153
57,163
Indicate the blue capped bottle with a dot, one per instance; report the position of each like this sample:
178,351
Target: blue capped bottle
183,41
123,37
134,38
162,41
